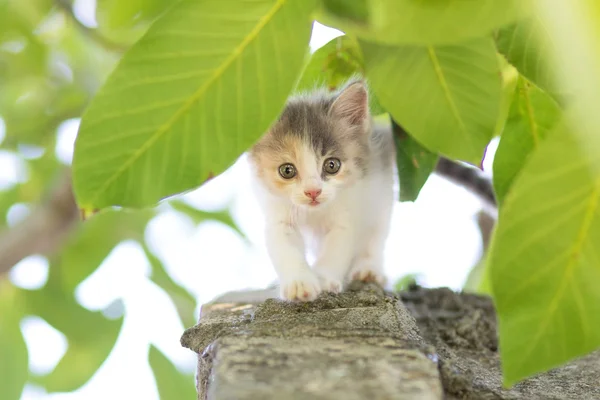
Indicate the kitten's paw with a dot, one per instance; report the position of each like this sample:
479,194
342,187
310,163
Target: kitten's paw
365,272
329,283
301,287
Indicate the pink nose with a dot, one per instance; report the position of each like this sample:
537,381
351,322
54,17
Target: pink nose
313,193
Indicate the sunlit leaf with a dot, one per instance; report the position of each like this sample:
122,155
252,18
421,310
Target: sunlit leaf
574,31
14,364
355,10
447,97
196,91
114,14
415,163
544,260
509,82
425,22
171,383
526,46
532,116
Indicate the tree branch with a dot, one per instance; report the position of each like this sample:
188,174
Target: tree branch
44,231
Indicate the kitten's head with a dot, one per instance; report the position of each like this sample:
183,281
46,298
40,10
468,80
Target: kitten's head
319,144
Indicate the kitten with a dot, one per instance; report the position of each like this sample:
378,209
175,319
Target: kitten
324,177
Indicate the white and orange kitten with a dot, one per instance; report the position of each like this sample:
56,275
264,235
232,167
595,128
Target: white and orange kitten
324,179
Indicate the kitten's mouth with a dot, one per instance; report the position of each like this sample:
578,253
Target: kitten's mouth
314,203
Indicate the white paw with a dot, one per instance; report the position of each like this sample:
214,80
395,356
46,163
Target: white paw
366,271
303,286
329,283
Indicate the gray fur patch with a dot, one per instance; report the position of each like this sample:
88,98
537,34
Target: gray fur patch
308,118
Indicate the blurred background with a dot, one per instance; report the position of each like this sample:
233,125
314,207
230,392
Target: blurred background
95,310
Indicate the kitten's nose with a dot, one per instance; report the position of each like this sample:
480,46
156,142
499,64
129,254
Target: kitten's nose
312,193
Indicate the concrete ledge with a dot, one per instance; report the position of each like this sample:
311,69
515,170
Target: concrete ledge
365,344
362,344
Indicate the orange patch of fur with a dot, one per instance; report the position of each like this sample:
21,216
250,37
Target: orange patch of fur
269,155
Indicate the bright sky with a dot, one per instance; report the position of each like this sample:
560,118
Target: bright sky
436,237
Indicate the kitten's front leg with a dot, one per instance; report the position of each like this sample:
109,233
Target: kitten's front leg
286,250
368,264
333,262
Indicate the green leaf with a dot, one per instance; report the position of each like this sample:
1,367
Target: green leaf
426,22
405,282
93,242
120,14
90,335
223,216
447,97
332,65
544,260
415,163
14,367
171,383
525,45
200,87
184,302
355,10
509,82
532,116
477,280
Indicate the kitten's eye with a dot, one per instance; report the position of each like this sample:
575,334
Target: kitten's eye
287,171
332,165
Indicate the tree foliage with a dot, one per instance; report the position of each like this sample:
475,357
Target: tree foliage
51,66
200,81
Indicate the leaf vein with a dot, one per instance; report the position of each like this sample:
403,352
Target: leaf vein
262,22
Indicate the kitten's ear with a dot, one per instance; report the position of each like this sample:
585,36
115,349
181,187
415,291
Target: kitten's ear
352,104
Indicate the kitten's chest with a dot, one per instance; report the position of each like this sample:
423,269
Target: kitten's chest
316,224
313,232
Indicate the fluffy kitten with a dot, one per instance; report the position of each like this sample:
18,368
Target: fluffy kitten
324,178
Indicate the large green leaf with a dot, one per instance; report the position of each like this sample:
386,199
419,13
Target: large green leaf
14,364
526,45
425,22
171,384
204,82
544,259
355,10
119,14
447,97
532,116
415,163
573,29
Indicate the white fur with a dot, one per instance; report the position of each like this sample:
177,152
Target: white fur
346,232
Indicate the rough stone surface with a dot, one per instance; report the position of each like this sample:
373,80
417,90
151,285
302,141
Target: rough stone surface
462,328
362,344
